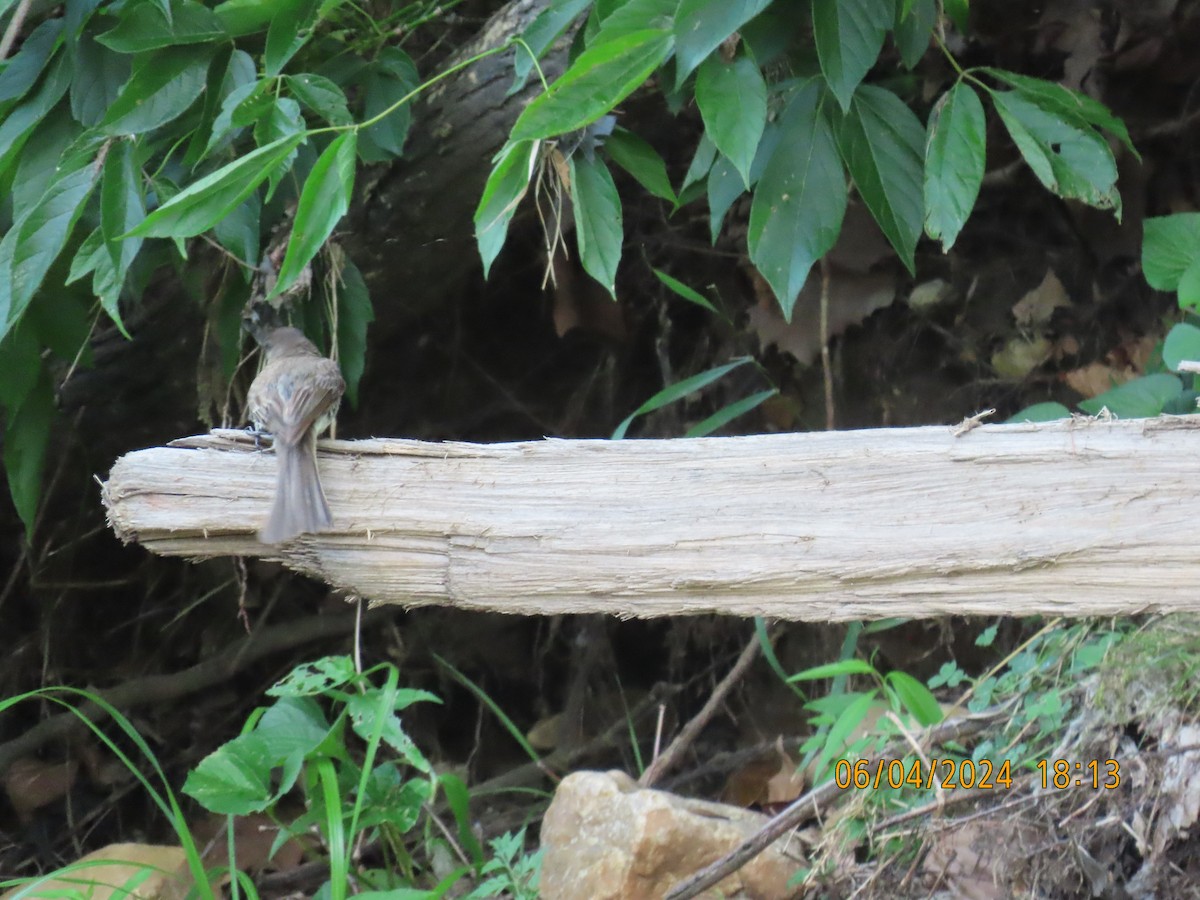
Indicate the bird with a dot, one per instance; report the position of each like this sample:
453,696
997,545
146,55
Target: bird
295,398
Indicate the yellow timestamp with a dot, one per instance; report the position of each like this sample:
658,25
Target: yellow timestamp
1061,774
948,774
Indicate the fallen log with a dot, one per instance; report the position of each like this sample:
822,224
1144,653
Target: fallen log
1078,517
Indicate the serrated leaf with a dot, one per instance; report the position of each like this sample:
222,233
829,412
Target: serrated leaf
88,256
43,233
1066,103
145,26
635,15
23,70
99,75
543,31
1072,161
702,25
849,35
23,118
733,104
321,96
26,436
505,187
1138,399
883,143
641,161
799,202
386,82
290,28
679,390
1170,246
238,232
597,81
599,232
955,154
1182,344
163,85
354,315
242,105
913,29
283,119
202,203
39,160
122,206
323,201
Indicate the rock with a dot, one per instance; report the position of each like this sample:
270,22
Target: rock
604,837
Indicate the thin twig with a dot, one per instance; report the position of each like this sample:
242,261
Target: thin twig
14,28
692,729
826,367
809,804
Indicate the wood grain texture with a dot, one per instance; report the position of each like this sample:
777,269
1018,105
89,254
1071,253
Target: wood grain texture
1080,517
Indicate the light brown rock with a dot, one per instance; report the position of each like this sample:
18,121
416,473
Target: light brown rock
604,837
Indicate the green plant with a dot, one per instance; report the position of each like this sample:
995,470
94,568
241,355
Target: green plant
510,872
788,117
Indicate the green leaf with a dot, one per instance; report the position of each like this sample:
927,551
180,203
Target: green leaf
834,669
702,25
799,202
1065,103
702,162
43,234
39,161
235,779
290,29
283,119
679,390
597,81
23,70
1170,246
1040,412
26,437
145,26
955,153
883,145
635,15
163,85
21,363
727,414
913,28
733,104
89,255
122,206
598,226
238,232
1141,398
387,81
99,76
641,161
244,104
323,201
203,203
22,119
242,17
1182,343
915,697
1189,286
321,96
689,294
505,187
540,36
724,186
354,315
849,35
1071,161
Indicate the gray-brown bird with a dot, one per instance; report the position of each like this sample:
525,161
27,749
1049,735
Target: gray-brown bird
295,398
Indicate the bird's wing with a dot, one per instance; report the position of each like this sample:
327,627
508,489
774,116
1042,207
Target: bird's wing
298,396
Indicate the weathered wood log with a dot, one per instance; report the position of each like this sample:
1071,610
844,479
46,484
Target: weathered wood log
1080,517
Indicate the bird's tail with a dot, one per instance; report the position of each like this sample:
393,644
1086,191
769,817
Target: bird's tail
300,506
